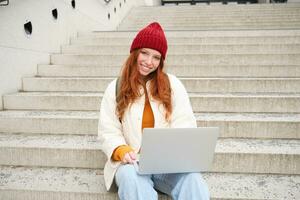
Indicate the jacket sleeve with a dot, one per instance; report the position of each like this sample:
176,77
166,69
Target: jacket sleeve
182,115
109,127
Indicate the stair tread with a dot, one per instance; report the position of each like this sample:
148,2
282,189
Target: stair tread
77,142
181,65
49,114
224,185
191,95
173,56
52,179
248,117
195,33
199,116
90,142
180,78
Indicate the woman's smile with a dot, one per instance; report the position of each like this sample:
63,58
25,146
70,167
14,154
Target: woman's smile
148,61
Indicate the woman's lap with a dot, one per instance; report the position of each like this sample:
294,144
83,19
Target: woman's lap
177,185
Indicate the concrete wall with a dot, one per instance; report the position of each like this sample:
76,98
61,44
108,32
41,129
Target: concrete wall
20,53
152,2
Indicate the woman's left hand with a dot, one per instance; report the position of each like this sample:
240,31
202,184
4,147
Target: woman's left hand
129,157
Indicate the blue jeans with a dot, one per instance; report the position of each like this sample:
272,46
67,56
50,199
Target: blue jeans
181,186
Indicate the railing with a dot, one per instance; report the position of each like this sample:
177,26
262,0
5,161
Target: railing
4,2
193,2
278,1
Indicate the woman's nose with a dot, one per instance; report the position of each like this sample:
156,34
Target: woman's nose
149,60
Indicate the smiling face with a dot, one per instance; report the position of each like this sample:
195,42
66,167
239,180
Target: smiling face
148,61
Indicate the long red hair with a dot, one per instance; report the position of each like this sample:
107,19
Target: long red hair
131,82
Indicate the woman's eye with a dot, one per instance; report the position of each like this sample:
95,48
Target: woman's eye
144,52
157,58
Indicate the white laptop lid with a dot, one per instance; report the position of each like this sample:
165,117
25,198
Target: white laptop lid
176,150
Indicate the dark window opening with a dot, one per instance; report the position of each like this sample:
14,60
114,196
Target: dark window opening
73,4
28,28
4,2
54,13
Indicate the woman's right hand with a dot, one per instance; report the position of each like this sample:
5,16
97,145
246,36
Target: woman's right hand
129,157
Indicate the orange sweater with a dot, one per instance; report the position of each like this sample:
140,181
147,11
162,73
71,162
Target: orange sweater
148,122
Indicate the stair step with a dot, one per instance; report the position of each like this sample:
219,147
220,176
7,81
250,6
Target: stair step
51,151
246,125
216,9
235,7
206,17
268,103
188,49
233,125
201,102
225,13
190,40
212,14
215,17
174,35
222,26
179,70
231,155
158,14
51,122
211,17
225,85
199,59
225,20
231,22
20,183
223,9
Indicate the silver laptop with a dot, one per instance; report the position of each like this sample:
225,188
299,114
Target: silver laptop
176,150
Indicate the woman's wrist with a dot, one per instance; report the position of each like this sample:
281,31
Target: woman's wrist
120,152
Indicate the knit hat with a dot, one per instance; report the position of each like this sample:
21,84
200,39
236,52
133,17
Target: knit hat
153,37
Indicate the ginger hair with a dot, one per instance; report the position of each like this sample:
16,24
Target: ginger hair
131,81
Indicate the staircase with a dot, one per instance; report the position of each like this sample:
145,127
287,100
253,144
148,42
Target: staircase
241,67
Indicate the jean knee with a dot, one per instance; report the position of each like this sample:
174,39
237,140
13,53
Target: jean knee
191,186
125,174
195,178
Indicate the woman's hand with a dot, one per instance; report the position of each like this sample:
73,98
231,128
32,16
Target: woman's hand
129,157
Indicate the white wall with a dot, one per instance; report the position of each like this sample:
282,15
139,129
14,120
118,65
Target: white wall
152,2
20,53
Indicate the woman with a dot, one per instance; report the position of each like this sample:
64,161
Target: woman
147,97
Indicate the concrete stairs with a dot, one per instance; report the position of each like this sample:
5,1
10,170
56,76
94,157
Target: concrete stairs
277,16
244,81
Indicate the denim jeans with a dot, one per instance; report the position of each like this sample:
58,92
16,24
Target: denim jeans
181,186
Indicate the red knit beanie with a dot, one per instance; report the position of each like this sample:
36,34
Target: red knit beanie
153,37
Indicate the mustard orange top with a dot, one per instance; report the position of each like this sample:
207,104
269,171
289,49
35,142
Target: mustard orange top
148,122
148,117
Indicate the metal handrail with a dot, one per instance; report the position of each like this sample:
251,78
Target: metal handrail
193,2
5,1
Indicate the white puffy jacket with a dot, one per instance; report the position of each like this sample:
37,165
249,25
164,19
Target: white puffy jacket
112,133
